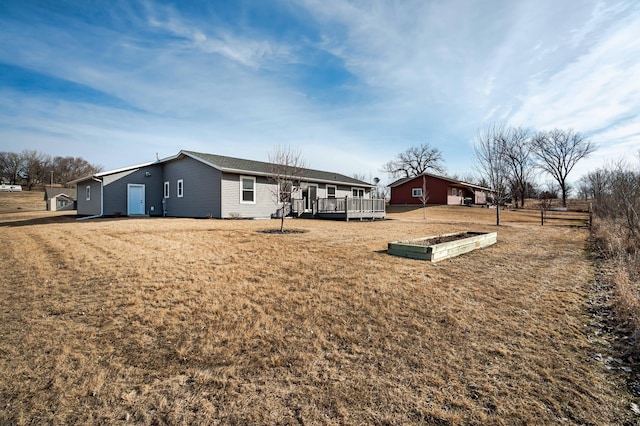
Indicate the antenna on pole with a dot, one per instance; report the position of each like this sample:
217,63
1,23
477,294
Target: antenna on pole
157,157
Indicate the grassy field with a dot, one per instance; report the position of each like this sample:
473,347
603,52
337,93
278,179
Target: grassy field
186,321
20,202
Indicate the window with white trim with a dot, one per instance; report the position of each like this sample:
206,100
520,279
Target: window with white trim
454,191
416,192
357,192
331,191
247,190
180,188
166,190
88,192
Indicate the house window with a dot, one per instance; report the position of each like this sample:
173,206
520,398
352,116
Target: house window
180,188
454,191
357,192
416,192
247,190
166,190
88,192
331,191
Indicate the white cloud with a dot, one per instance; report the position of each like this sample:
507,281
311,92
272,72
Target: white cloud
419,71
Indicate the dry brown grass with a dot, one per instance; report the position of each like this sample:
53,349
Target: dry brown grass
20,202
181,321
621,269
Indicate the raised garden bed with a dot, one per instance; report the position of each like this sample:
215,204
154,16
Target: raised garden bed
440,247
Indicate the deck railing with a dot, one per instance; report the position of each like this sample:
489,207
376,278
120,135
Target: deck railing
346,207
342,205
298,206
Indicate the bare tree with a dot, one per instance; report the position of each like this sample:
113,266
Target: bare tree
287,170
10,167
491,152
519,159
66,169
415,161
625,198
33,167
424,197
615,190
381,190
471,178
558,151
546,197
359,176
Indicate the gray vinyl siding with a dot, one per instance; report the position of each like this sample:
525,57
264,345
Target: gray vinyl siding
88,207
201,189
264,206
116,192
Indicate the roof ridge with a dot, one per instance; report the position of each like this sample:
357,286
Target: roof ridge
266,163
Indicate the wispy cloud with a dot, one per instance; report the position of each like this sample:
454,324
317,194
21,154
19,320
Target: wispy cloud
352,83
594,92
245,51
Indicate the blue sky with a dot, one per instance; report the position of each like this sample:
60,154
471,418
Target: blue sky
349,84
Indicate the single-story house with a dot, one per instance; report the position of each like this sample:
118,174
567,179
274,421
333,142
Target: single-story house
60,198
194,184
441,190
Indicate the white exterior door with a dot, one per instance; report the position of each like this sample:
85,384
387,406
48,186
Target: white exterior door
135,199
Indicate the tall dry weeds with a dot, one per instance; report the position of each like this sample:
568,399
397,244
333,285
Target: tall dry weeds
623,255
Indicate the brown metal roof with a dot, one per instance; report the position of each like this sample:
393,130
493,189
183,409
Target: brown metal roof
453,181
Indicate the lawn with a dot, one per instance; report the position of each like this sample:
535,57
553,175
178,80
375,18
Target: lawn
195,321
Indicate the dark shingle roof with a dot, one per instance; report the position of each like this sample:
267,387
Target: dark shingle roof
49,193
250,166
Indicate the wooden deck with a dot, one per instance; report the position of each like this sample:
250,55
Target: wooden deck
341,208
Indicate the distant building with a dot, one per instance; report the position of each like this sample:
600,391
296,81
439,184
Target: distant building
60,198
442,190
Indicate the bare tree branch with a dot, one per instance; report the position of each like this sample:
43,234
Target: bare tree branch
287,170
558,151
415,161
424,197
519,159
491,151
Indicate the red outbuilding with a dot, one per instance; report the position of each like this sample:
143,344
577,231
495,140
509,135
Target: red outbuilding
440,190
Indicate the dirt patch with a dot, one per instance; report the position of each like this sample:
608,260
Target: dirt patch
439,240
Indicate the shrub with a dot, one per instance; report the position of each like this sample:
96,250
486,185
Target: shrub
615,191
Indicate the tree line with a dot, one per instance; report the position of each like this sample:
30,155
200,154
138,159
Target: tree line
510,156
615,193
508,160
32,168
